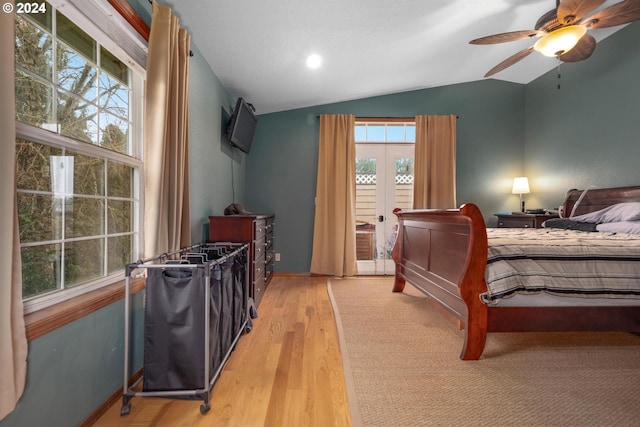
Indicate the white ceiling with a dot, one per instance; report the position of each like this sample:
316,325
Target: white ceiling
258,48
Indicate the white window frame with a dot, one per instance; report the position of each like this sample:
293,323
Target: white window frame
99,19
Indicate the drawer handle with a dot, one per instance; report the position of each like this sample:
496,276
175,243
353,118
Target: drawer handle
258,249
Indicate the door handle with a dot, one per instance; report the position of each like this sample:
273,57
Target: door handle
380,218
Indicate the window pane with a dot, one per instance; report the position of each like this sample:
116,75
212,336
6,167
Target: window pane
77,118
88,175
361,133
83,261
119,253
33,166
114,66
114,97
395,133
83,217
34,49
38,218
44,19
375,133
76,74
120,215
120,180
411,133
41,269
76,38
114,133
34,101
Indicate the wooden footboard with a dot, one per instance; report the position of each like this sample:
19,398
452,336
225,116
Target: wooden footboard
444,253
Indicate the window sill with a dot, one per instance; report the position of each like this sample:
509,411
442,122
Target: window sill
51,318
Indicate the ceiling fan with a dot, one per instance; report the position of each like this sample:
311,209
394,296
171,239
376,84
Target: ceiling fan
562,32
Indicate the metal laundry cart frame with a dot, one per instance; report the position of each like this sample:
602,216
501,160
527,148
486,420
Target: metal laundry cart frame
250,311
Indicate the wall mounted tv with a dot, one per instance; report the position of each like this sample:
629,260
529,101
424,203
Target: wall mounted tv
242,125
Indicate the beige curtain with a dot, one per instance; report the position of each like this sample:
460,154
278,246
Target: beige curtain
13,340
166,149
435,163
334,230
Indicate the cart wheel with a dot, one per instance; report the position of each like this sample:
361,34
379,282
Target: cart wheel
248,329
204,408
253,313
125,410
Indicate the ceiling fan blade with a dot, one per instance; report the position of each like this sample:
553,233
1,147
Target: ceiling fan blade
508,37
581,51
620,13
572,11
510,61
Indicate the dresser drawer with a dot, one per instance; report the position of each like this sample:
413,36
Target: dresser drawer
523,221
517,222
260,228
259,247
259,284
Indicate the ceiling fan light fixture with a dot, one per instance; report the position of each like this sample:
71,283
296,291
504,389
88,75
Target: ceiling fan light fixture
560,41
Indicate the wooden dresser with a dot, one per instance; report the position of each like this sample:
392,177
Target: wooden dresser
256,230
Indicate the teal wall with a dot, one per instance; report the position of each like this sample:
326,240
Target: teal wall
282,166
588,132
75,369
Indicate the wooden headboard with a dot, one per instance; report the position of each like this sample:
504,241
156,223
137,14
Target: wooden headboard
595,199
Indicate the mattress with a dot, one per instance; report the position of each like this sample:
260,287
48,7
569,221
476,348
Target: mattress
565,263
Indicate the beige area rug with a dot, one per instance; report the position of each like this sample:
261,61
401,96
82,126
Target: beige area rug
403,368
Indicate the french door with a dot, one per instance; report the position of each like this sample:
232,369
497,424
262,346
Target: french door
384,181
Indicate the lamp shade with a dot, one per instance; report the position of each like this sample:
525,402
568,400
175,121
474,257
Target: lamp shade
560,41
520,185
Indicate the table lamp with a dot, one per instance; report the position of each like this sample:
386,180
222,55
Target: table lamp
521,186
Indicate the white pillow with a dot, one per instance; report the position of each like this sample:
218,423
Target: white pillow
615,213
631,227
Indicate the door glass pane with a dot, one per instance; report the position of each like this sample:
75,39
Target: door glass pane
403,196
365,208
404,183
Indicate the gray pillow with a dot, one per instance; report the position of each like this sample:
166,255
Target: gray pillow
629,211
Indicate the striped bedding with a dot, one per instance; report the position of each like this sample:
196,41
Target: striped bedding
562,262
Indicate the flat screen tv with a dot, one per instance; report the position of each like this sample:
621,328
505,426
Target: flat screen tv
242,125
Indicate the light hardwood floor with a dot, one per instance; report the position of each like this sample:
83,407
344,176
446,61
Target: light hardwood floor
286,372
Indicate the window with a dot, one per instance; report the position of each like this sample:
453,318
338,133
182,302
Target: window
385,132
78,149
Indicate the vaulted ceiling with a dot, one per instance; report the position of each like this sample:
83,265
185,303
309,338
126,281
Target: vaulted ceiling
258,48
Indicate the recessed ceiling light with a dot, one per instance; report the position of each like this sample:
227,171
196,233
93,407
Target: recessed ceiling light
314,61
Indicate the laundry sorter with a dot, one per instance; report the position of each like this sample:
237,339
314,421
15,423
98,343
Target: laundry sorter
196,307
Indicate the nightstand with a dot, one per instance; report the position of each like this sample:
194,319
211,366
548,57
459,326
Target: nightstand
522,220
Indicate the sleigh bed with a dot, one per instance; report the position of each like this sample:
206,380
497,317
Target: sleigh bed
450,255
